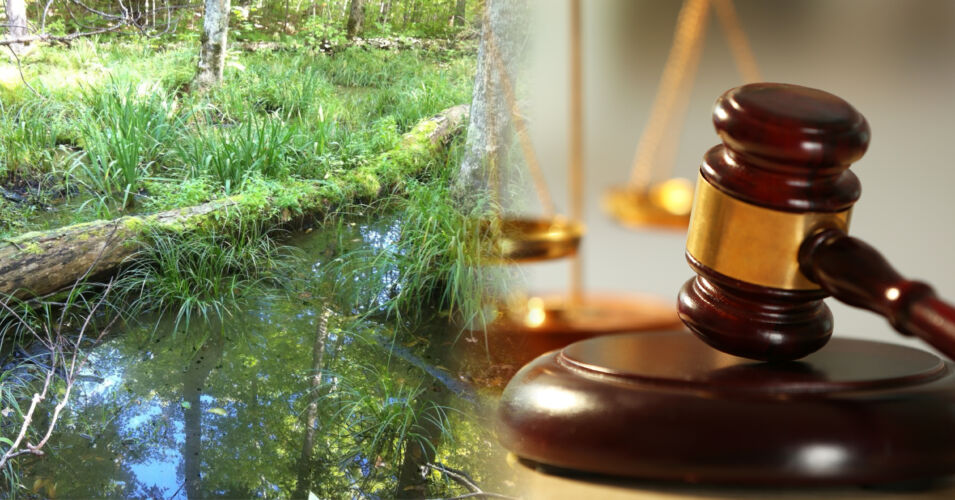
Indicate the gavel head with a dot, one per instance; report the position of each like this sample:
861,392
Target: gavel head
780,175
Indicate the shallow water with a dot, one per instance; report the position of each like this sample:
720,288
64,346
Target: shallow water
220,410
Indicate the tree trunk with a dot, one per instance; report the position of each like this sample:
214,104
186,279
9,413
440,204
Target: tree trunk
384,12
16,22
356,19
489,135
213,48
285,23
304,483
414,12
460,9
410,6
39,263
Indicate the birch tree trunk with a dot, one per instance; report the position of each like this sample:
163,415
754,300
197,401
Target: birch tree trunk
356,18
212,52
489,127
459,11
16,22
384,12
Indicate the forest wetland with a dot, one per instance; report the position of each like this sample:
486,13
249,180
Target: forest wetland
236,259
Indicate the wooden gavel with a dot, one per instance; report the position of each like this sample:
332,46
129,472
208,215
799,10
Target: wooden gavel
767,234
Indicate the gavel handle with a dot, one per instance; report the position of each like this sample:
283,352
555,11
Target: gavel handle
855,273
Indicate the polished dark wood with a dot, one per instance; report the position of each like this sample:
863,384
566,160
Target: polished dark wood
493,355
665,406
753,321
855,273
788,148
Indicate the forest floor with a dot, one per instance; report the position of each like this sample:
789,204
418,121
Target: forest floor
102,129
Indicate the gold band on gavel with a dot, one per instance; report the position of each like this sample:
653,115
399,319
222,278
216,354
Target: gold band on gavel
751,243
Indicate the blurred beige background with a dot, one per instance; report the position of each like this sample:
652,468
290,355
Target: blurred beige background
893,60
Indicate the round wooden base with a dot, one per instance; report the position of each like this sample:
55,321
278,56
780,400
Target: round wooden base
666,406
522,333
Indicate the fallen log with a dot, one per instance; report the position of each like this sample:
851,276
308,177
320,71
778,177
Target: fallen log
38,263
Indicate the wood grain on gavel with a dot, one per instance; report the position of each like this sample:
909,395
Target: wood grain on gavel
768,239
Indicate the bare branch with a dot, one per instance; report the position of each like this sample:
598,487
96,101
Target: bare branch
16,57
46,10
100,13
46,37
27,420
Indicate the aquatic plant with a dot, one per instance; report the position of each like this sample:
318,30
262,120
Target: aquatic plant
383,410
203,274
437,260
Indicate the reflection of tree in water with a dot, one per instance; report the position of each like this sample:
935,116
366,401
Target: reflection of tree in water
193,381
306,462
156,413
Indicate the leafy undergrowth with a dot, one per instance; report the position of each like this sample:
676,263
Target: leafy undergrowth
116,131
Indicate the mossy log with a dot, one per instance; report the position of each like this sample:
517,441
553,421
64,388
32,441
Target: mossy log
40,263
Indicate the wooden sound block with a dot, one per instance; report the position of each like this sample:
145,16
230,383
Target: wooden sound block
665,406
493,356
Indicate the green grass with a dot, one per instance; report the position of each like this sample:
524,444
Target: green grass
440,256
385,409
115,123
231,155
126,131
201,276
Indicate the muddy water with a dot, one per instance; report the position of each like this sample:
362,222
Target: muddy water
221,410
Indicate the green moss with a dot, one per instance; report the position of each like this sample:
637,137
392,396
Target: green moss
33,248
133,224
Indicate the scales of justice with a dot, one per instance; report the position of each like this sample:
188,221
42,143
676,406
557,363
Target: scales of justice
757,393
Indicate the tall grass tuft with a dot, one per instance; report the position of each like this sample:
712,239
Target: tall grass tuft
435,258
125,131
385,412
204,274
231,155
30,138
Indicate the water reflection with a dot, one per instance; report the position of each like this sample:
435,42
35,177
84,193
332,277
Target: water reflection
293,394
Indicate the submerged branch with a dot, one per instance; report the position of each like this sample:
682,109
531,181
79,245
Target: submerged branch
459,388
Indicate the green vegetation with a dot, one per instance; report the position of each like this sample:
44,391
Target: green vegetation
438,255
308,130
202,274
125,139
